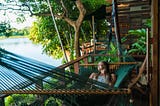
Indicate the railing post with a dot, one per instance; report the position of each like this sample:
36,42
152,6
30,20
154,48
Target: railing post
2,103
76,67
40,98
85,62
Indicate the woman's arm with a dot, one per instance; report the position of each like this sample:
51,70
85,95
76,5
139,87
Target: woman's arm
113,79
92,76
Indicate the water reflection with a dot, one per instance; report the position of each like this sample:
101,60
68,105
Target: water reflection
24,47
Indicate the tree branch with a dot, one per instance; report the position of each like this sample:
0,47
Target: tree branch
82,11
29,9
64,7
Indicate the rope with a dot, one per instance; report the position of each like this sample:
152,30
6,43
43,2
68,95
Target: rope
69,91
55,25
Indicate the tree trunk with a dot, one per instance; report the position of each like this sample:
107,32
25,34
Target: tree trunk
76,42
75,24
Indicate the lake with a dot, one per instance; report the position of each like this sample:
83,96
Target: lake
25,47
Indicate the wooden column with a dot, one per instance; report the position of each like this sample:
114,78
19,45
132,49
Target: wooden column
94,36
2,103
148,63
154,95
76,68
159,50
40,98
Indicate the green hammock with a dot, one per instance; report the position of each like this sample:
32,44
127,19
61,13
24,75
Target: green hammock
122,72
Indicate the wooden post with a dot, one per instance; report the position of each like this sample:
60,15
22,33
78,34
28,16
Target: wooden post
148,63
2,103
40,98
94,37
154,85
159,50
85,62
76,67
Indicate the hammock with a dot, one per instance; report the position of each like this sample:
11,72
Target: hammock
22,75
122,72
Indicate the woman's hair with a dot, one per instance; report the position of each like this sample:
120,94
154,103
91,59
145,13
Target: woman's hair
106,68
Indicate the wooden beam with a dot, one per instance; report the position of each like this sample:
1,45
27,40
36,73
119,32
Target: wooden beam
154,99
133,2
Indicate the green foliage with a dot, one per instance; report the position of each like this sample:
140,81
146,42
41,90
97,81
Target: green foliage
92,5
5,29
148,23
20,32
19,99
53,102
43,32
139,47
9,100
111,52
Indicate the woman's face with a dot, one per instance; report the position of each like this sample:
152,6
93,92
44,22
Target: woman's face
100,66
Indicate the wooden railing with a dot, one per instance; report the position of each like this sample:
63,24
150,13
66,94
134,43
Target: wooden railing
88,47
88,60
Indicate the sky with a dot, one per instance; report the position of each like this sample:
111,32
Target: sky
27,23
10,17
12,20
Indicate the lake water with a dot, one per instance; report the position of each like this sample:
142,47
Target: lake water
25,47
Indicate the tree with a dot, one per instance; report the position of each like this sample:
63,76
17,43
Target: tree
63,10
76,24
5,29
71,11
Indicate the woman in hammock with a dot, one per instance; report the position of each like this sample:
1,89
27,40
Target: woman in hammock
104,75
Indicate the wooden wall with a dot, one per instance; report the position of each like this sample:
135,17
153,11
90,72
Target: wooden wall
132,14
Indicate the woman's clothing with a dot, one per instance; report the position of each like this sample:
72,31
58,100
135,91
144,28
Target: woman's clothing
103,79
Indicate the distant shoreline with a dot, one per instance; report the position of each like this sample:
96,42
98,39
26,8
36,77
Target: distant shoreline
4,37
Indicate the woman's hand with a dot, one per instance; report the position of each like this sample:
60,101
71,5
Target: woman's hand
93,76
113,79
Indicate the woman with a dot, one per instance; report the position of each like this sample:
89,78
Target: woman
104,75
